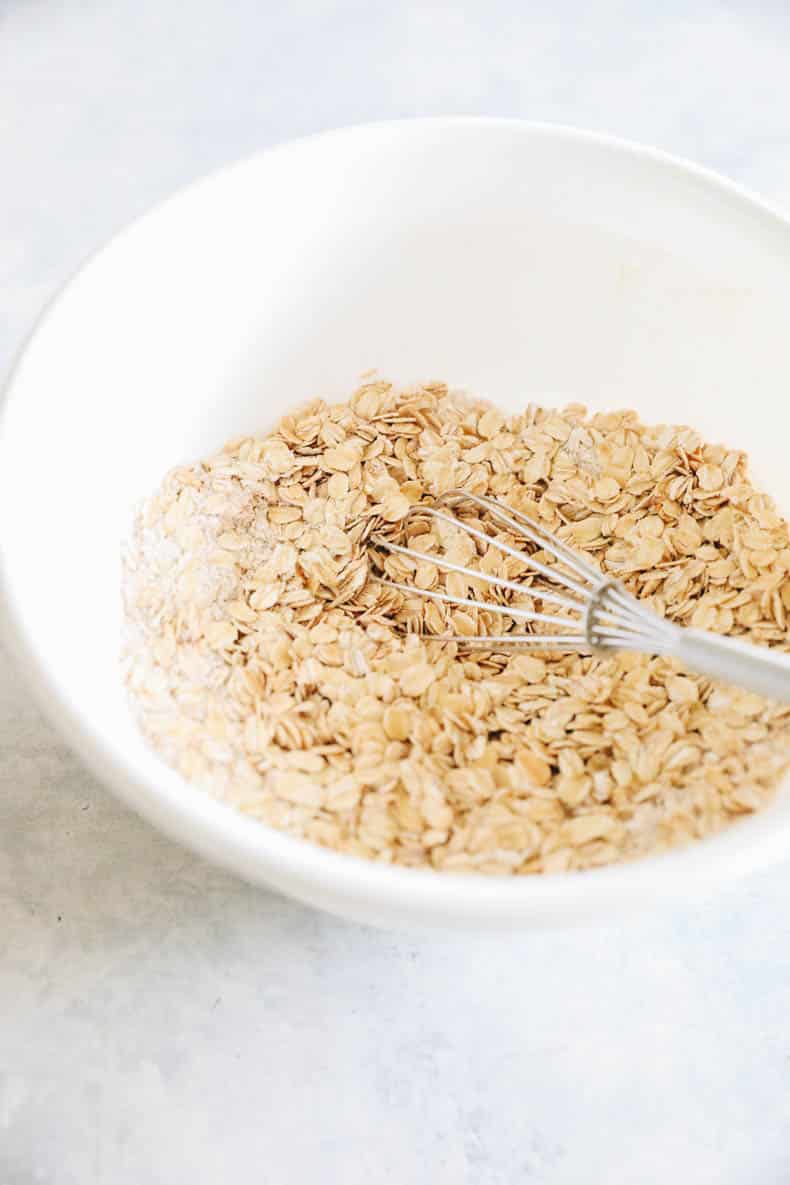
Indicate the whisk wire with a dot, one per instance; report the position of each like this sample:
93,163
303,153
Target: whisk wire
527,528
446,565
506,549
490,606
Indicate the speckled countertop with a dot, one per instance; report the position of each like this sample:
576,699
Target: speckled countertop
160,1022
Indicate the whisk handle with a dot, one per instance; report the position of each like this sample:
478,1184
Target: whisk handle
755,668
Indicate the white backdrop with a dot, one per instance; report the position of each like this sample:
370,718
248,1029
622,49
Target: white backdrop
160,1022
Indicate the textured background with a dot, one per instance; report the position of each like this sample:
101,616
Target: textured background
160,1022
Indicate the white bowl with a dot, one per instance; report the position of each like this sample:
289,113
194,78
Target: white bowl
521,261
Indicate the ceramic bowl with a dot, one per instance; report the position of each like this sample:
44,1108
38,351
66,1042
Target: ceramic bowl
517,260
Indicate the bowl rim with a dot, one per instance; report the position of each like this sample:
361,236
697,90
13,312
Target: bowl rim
250,849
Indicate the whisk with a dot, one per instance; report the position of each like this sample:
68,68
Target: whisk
597,613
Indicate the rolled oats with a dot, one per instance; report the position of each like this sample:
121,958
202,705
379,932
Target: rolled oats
268,668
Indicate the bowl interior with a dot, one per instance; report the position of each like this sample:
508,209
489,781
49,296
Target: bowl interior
520,262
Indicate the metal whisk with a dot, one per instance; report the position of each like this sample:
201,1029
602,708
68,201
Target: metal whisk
598,614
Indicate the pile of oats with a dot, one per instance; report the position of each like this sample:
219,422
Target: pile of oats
269,669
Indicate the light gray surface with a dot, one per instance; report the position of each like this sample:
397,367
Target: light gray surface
160,1022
